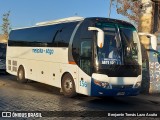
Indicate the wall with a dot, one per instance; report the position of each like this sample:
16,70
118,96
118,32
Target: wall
154,69
145,25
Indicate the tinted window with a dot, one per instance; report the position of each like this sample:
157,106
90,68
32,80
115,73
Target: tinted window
2,51
63,35
81,35
52,36
86,48
109,50
85,56
82,47
37,34
130,45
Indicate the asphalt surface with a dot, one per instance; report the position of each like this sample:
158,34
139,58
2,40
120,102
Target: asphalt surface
34,96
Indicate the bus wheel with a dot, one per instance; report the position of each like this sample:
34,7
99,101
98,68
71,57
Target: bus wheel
21,75
68,86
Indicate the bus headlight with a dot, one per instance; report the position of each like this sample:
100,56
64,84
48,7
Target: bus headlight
137,85
102,84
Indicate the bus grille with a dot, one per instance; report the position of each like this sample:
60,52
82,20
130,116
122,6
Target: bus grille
9,62
9,68
12,65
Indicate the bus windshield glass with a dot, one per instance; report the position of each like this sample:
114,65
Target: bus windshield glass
120,46
131,45
110,53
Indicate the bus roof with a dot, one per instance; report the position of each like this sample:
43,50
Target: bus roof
63,20
111,20
74,19
52,22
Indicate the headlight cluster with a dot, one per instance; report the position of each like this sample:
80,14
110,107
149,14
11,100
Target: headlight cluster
102,84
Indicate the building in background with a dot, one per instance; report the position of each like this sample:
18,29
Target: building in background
150,22
154,57
2,39
156,18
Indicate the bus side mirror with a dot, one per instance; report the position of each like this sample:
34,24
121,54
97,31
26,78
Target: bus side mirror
153,39
100,36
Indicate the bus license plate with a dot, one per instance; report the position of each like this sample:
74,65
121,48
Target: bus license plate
121,93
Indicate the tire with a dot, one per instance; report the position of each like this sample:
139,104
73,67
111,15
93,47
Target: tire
21,75
68,86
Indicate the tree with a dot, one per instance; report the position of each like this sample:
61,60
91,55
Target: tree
6,24
129,8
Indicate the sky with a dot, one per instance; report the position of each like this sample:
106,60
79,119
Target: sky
25,13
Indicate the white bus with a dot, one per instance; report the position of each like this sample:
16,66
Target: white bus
91,56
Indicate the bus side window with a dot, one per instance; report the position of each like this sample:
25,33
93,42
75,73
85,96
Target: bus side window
63,34
85,56
86,48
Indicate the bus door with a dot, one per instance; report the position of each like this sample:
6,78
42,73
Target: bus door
85,60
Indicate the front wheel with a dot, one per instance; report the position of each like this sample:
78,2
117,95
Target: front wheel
68,86
21,75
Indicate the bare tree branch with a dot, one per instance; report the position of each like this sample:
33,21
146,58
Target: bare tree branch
129,8
6,24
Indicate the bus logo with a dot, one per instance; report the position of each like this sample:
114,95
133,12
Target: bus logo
43,51
83,83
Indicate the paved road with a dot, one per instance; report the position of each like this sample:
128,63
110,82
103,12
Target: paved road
34,96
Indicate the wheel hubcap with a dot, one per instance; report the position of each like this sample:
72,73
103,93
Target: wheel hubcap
68,85
20,75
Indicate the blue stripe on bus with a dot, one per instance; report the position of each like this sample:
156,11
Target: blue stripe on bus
99,91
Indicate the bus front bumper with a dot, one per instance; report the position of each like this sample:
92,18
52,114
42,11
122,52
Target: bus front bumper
100,91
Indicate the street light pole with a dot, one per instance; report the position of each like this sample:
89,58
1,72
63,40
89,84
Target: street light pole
110,8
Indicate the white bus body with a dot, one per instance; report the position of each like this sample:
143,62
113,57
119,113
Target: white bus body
41,53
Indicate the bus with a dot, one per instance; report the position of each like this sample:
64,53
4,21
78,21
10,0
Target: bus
91,56
3,47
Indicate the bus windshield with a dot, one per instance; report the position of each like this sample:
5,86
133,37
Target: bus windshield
131,45
110,53
120,48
